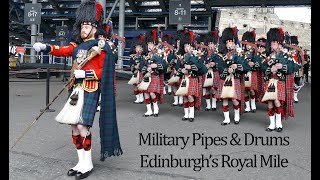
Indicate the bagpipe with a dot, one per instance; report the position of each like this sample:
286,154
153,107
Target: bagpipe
294,47
136,73
228,88
147,76
272,90
254,46
177,75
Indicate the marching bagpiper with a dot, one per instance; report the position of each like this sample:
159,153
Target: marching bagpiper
175,64
153,75
278,77
92,74
298,58
168,55
261,45
190,87
232,68
212,76
136,64
253,80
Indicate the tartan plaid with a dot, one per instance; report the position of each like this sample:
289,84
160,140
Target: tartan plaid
254,81
140,77
160,88
89,109
281,95
260,82
237,89
288,105
154,85
198,98
203,78
109,135
193,89
216,78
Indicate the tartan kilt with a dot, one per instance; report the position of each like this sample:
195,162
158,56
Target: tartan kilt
140,77
154,86
254,81
193,89
281,95
90,104
237,89
203,79
177,83
216,78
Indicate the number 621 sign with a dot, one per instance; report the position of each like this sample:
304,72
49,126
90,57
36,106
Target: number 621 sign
179,12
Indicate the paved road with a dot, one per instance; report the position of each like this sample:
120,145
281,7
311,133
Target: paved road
47,152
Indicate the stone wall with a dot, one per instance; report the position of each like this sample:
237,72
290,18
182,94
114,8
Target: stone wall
263,19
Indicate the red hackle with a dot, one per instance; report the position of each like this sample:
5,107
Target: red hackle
98,11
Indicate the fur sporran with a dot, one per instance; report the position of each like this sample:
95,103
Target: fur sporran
271,93
134,79
71,112
228,89
208,82
145,82
247,79
184,86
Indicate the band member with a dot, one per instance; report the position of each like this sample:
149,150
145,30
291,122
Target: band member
306,65
175,64
96,76
251,78
261,44
298,74
192,71
212,39
232,68
278,91
168,55
136,64
153,72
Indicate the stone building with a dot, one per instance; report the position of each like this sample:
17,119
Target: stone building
262,19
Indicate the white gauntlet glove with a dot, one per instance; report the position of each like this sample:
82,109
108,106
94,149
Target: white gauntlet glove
39,46
79,74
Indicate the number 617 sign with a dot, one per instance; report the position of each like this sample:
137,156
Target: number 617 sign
32,13
179,12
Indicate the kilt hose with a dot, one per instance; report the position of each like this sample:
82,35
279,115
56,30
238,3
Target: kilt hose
195,90
89,109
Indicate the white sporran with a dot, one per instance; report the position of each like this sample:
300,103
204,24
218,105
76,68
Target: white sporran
174,79
71,112
247,79
145,82
184,86
134,79
228,89
208,82
271,93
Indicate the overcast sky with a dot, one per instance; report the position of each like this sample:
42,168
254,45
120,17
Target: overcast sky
301,14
